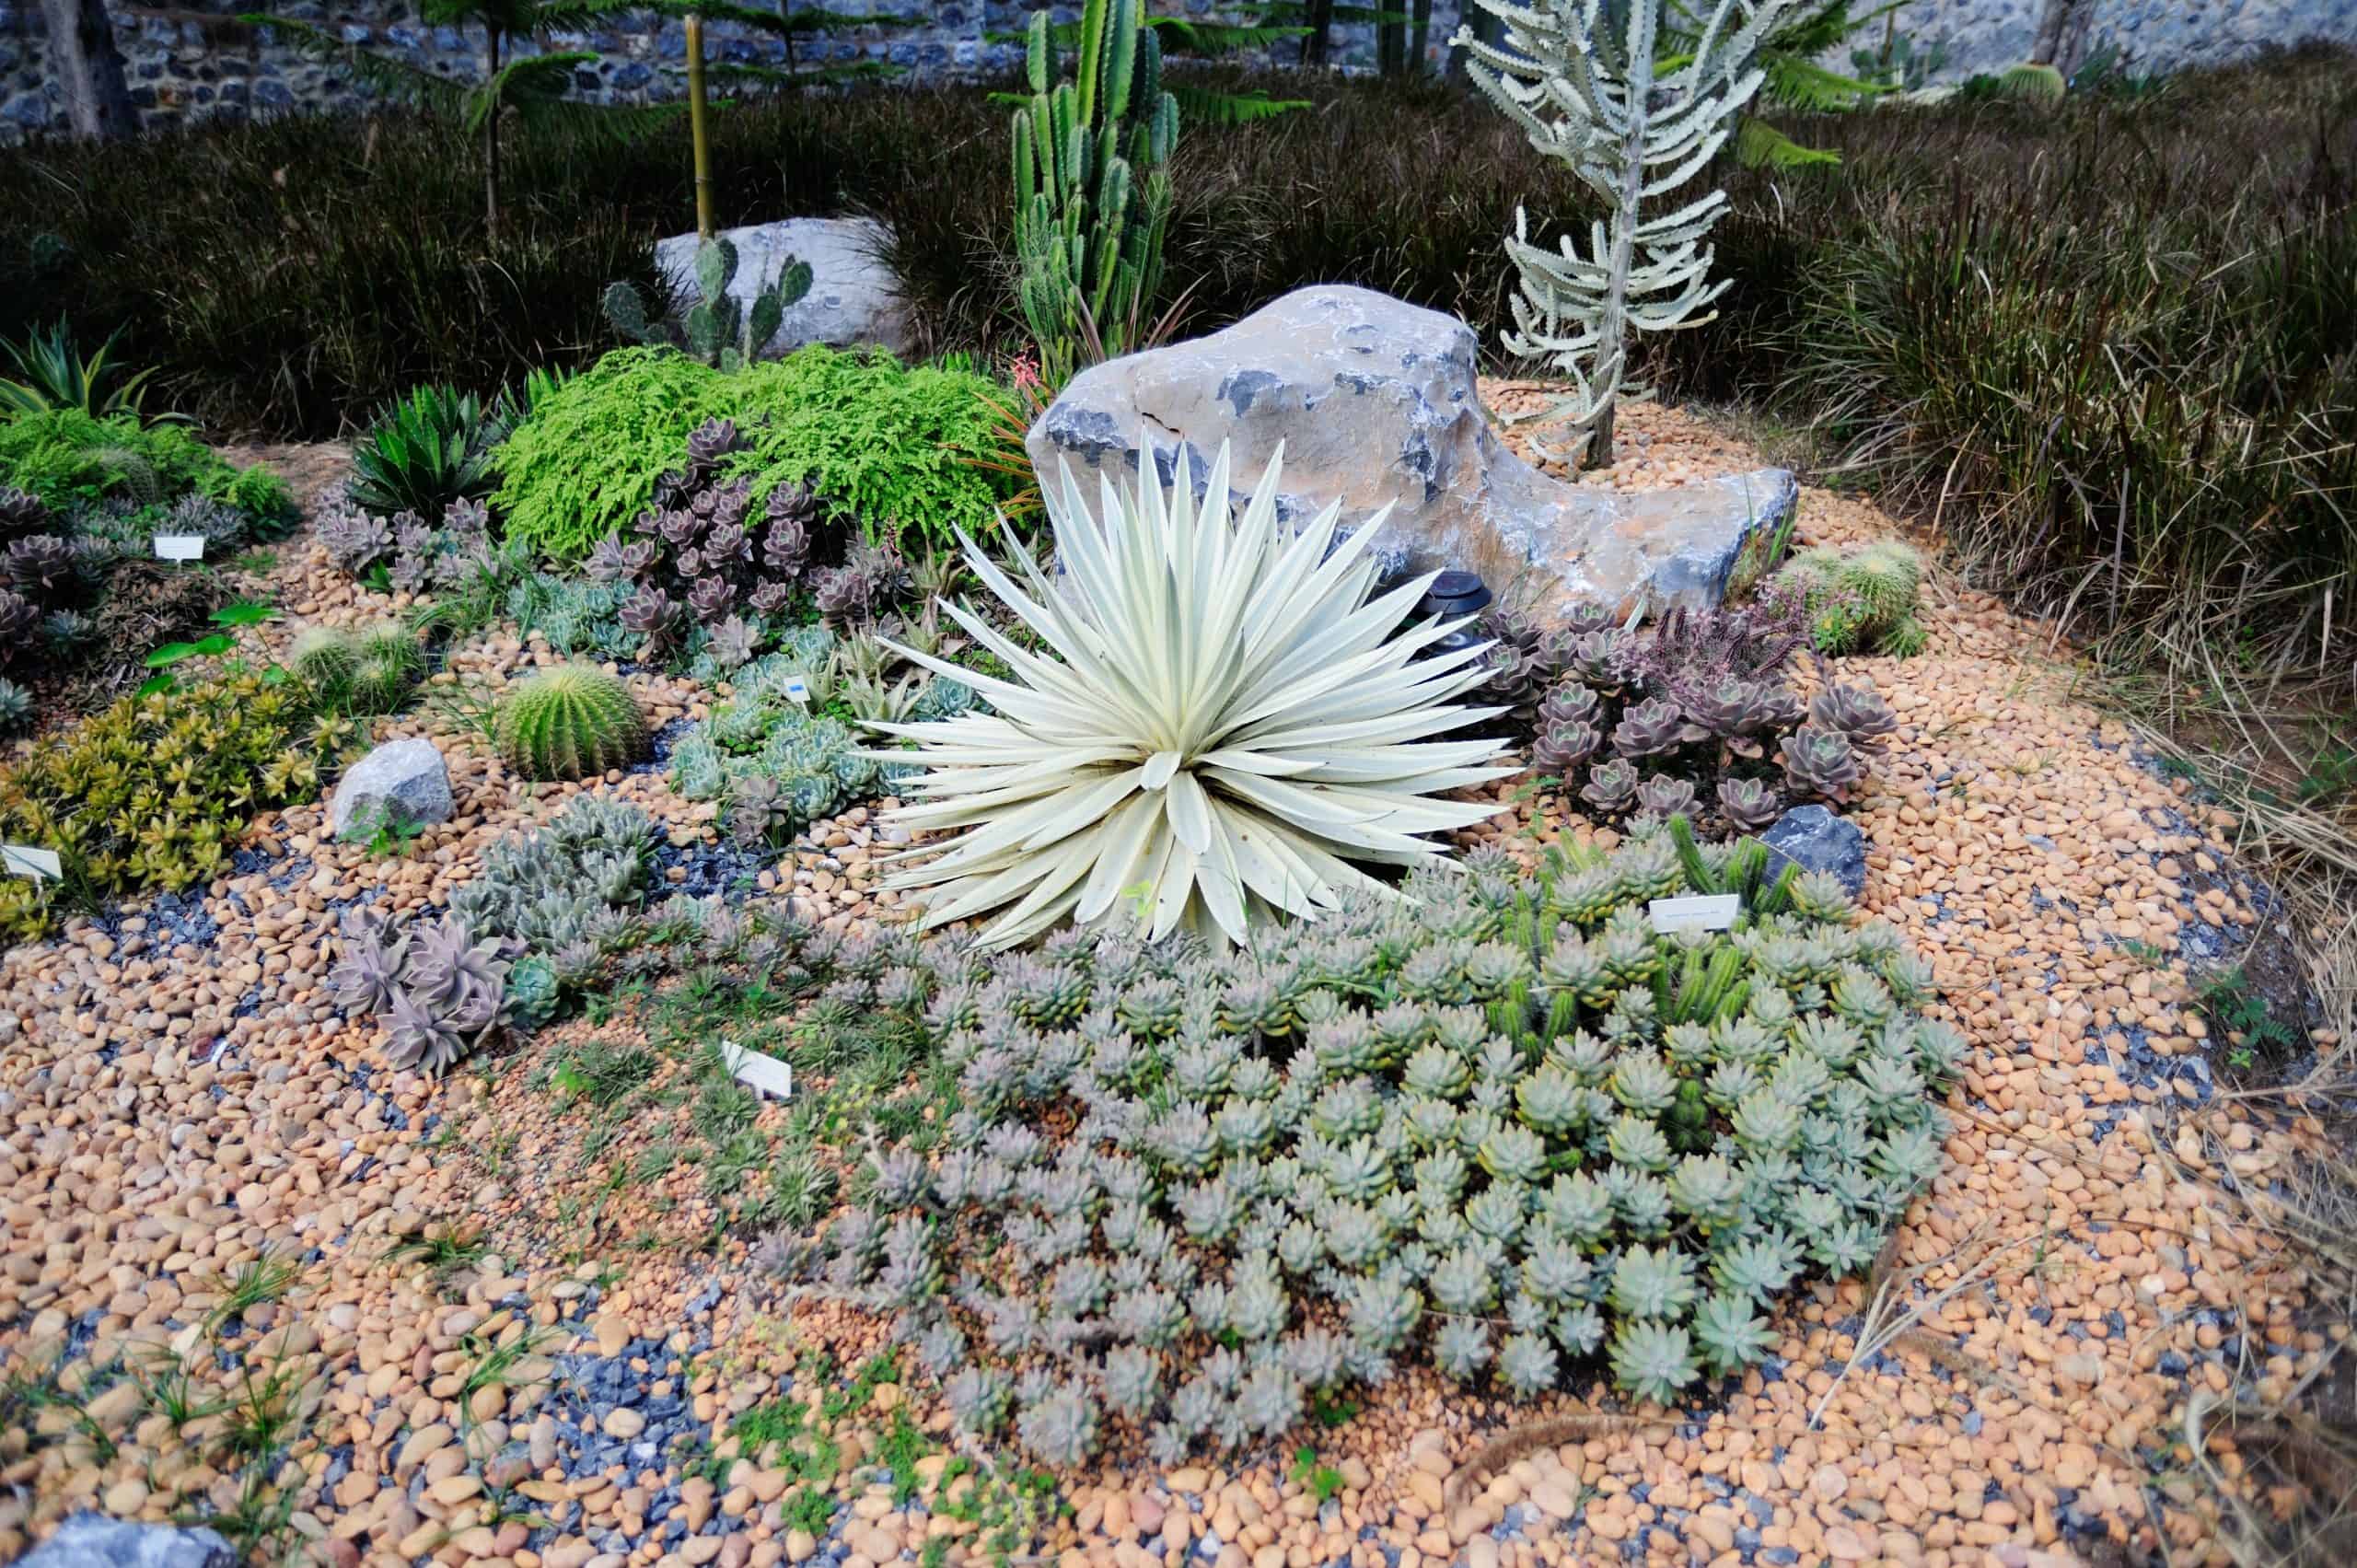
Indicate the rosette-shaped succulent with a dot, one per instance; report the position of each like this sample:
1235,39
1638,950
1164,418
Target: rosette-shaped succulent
711,598
1612,785
18,620
1749,804
42,561
710,442
651,614
572,722
1651,727
1731,708
22,512
1229,724
1857,711
1819,761
1560,748
1665,796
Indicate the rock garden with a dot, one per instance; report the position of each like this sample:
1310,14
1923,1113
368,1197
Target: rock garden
1321,933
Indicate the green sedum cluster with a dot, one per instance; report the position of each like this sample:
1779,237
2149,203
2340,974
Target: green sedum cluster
576,721
155,791
1501,1124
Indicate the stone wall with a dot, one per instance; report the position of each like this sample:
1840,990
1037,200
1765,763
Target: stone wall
193,60
2142,36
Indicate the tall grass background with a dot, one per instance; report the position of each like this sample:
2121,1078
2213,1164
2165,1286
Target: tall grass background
2110,345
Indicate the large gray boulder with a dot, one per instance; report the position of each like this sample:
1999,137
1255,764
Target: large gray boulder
406,779
93,1541
1374,402
855,297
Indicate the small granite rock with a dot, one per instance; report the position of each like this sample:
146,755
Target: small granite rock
1375,404
405,777
1816,839
93,1541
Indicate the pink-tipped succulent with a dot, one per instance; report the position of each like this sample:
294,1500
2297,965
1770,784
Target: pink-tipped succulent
1749,804
1856,712
1819,761
1611,785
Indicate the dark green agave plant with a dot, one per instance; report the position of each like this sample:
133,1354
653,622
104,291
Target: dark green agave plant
1501,1124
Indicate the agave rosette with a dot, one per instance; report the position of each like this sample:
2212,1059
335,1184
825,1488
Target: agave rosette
1221,720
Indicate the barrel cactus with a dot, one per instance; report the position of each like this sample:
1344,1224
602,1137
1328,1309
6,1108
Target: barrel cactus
572,722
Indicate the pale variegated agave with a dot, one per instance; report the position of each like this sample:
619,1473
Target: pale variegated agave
1221,720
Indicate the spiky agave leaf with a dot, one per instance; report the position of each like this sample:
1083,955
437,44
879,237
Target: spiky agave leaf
1221,721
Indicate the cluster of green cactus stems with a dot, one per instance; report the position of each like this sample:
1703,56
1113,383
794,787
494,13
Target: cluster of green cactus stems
716,329
1092,189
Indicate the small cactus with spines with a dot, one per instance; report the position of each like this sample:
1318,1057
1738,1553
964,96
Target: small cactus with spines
1864,600
717,328
572,721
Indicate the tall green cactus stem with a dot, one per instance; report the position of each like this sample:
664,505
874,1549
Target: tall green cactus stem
716,329
1092,192
572,721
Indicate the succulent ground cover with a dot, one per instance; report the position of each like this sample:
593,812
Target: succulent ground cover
1497,1121
253,1271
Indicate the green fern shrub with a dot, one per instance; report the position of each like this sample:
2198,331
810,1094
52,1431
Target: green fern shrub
67,458
883,445
572,722
1502,1126
1863,600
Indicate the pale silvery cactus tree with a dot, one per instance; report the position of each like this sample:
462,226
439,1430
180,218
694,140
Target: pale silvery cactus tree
1582,80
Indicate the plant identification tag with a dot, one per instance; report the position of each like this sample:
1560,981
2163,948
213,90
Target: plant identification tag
180,547
755,1071
26,860
798,689
1704,912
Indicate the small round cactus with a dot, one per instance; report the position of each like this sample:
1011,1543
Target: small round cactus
325,657
570,722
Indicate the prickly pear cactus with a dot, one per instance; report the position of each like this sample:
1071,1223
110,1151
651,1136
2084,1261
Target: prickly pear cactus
716,329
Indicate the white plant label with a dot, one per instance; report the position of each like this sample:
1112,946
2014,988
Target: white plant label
1706,912
755,1071
180,547
26,860
798,689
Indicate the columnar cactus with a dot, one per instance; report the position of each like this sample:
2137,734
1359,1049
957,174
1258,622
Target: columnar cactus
568,723
1091,191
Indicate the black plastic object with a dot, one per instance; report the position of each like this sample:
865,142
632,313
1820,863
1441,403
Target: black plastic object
1453,594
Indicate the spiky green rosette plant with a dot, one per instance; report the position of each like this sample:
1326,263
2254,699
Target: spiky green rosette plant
1219,721
1091,193
1501,1124
572,722
1587,84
